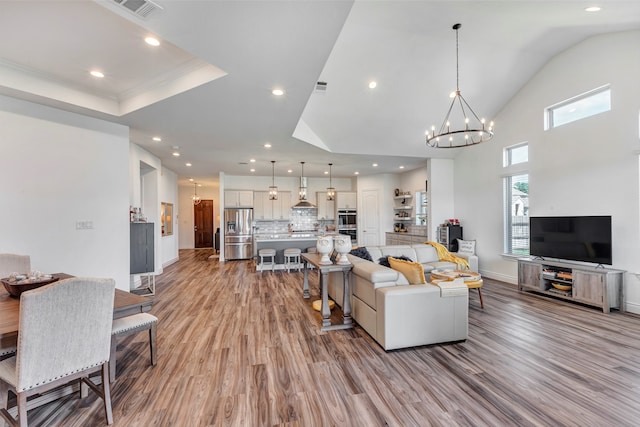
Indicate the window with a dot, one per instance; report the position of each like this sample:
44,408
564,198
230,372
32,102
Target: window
582,106
516,215
516,154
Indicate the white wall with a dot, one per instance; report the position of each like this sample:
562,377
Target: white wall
169,194
58,168
442,195
588,167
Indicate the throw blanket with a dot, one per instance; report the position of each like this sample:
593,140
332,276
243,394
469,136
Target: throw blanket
445,255
453,288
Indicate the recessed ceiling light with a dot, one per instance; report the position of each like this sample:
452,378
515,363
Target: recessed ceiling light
267,145
375,165
356,173
152,41
278,92
190,179
96,73
592,9
401,167
252,160
157,139
187,164
326,172
252,170
176,154
290,171
372,85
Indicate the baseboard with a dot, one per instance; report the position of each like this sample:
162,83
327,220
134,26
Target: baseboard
632,307
171,261
499,276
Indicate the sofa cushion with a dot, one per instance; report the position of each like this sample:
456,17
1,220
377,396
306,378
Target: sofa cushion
361,252
374,273
412,271
425,253
385,260
397,251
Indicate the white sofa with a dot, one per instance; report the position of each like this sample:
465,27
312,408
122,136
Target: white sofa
397,314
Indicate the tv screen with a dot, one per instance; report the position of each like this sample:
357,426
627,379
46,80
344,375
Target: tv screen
576,238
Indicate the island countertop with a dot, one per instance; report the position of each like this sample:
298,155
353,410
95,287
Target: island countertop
288,237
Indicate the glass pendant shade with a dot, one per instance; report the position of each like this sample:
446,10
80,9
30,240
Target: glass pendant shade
302,192
273,189
196,199
331,192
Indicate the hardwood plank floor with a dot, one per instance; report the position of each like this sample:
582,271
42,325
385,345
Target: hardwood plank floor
239,348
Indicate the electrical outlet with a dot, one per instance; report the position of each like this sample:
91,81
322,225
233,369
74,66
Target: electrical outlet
84,225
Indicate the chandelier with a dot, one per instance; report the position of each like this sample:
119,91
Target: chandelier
273,190
331,192
196,199
468,128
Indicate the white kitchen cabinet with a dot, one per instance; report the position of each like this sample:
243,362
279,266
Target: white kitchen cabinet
261,205
238,199
282,206
326,208
346,200
265,209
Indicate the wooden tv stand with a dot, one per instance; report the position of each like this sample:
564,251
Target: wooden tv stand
599,287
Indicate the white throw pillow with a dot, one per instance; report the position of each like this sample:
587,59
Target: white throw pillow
467,247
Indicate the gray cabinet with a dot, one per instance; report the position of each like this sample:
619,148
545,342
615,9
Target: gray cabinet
141,249
599,287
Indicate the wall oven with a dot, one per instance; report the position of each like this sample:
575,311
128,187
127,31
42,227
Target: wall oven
348,224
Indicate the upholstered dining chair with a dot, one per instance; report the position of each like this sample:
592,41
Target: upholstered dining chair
12,263
64,335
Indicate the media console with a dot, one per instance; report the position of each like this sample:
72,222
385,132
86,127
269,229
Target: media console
599,287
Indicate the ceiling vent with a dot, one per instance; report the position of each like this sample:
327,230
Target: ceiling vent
321,87
142,8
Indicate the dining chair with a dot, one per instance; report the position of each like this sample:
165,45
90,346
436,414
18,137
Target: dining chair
12,263
131,325
64,336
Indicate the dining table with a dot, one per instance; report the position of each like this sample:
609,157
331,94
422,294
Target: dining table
124,304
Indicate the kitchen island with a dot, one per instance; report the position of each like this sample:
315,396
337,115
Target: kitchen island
283,241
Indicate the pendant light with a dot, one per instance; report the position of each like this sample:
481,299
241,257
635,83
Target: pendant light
331,192
196,199
467,129
302,192
273,190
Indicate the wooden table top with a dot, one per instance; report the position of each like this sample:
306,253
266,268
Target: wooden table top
124,304
314,259
467,275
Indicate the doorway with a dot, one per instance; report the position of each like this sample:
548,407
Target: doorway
203,224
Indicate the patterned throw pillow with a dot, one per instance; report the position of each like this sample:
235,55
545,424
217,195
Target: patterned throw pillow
467,247
385,260
361,252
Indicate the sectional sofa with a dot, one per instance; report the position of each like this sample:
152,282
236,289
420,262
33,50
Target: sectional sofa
398,314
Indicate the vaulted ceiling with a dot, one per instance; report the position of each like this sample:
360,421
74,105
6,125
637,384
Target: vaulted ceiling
207,89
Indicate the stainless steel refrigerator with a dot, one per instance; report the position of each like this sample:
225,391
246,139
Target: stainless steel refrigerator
238,233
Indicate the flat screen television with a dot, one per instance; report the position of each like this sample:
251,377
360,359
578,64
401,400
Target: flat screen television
575,238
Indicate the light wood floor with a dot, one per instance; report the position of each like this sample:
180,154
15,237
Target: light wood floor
239,348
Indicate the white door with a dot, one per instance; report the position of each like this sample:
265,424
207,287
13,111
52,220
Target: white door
369,219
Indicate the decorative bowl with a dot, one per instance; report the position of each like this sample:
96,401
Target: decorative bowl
17,287
561,287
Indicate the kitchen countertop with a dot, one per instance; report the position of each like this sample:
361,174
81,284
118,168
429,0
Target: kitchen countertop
398,233
286,237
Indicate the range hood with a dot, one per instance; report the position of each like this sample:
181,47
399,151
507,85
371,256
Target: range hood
303,203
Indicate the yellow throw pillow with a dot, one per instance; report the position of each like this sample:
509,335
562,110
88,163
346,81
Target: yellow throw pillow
413,271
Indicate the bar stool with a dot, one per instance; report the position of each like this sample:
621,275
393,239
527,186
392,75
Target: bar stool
291,256
267,253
